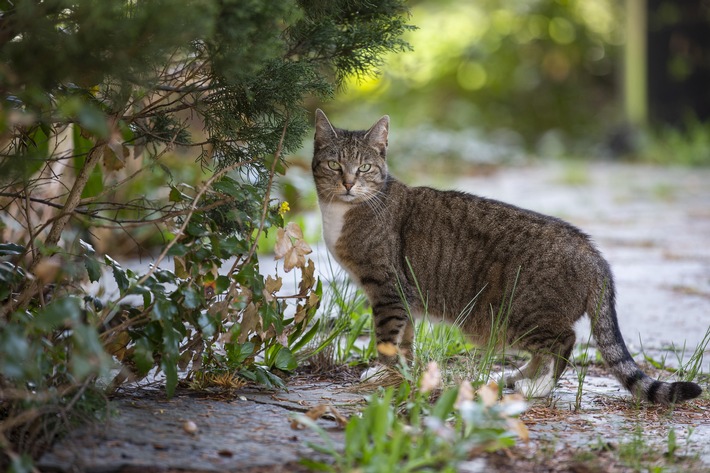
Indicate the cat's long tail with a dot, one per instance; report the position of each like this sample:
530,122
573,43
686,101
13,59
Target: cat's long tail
605,328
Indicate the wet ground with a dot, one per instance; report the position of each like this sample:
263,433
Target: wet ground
653,224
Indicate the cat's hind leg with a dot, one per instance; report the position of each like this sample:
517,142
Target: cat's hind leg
539,376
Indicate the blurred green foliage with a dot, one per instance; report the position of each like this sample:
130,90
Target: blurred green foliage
525,67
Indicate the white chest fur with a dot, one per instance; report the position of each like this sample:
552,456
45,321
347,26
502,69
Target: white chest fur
333,219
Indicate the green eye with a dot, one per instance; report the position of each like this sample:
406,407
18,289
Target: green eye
365,167
334,165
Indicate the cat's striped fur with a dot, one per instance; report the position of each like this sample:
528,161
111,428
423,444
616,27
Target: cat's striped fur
416,246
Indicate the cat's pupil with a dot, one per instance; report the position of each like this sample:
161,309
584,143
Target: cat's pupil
365,167
334,165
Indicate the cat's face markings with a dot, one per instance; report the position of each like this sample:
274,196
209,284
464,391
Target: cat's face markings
349,166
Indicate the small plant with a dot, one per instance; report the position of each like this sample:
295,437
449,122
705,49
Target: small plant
691,369
401,430
343,323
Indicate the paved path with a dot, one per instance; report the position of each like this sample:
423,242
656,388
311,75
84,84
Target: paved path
653,224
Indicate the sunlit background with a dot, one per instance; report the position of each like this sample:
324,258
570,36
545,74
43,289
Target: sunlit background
494,81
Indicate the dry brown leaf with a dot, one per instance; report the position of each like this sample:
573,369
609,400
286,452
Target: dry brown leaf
117,346
271,287
319,411
517,426
465,394
291,247
250,322
431,379
307,278
294,231
283,244
489,394
48,269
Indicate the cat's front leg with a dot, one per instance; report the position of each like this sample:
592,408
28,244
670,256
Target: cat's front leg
394,332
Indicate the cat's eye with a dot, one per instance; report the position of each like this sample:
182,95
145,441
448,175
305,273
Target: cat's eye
365,167
334,165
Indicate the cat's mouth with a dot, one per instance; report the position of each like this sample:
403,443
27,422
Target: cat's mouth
348,197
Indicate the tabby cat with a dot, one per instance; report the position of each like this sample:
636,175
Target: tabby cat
462,257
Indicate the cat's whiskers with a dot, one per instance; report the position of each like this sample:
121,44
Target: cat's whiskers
374,198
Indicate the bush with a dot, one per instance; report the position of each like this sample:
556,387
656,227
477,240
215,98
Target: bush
96,94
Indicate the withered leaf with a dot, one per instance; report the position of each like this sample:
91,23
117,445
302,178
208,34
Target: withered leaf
291,247
489,394
271,286
250,322
319,411
307,278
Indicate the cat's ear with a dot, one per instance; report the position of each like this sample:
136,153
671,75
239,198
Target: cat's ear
377,135
325,133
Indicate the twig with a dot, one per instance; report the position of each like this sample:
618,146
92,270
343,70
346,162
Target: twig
55,232
267,195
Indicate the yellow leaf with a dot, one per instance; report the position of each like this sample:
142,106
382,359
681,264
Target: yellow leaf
387,349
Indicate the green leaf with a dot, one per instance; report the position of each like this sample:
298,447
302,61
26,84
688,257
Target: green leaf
164,309
269,162
58,312
118,273
192,297
171,377
88,355
14,353
169,360
268,379
93,268
445,405
175,195
285,361
143,356
228,186
306,338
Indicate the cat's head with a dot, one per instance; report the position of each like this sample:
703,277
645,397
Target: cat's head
349,166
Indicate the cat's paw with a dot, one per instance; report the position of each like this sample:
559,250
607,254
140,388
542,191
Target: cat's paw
507,379
539,387
376,374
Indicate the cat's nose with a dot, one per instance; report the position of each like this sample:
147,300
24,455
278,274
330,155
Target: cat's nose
348,185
